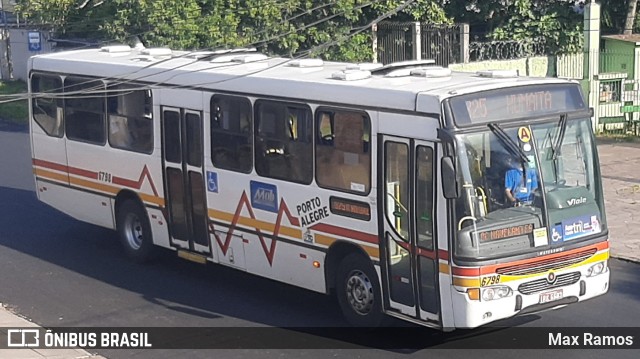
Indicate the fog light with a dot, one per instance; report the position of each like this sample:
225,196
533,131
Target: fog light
486,315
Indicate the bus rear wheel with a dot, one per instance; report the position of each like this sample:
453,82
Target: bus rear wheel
358,291
134,231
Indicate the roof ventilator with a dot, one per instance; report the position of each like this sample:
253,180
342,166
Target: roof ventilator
497,74
249,58
368,66
115,49
157,51
431,72
306,63
351,75
143,58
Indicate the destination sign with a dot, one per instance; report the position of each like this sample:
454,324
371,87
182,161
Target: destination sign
350,208
516,103
503,233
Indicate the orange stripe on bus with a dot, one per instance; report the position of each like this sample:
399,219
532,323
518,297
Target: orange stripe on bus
51,175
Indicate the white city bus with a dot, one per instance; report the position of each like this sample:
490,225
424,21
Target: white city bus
382,184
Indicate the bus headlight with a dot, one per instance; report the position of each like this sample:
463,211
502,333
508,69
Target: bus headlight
596,269
496,292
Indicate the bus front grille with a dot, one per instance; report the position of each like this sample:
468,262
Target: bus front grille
540,285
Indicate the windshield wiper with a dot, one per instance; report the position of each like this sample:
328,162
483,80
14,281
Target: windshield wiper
558,141
508,142
556,145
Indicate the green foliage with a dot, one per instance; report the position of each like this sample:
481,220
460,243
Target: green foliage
332,29
14,111
554,22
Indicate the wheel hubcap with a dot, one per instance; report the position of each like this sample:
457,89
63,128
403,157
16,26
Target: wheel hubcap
360,292
133,231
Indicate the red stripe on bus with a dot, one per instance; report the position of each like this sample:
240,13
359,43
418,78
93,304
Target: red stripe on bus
50,165
343,232
63,168
94,175
137,184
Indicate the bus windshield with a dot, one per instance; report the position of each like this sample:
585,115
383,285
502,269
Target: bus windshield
527,188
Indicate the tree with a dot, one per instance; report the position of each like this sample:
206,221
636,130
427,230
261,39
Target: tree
555,23
631,16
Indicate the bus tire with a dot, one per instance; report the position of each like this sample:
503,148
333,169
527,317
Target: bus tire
134,231
358,291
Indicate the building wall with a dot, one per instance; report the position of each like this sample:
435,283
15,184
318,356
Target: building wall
19,50
618,57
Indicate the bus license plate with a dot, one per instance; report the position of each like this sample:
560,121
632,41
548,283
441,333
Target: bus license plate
550,296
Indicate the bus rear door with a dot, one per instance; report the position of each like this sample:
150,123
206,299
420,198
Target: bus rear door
182,148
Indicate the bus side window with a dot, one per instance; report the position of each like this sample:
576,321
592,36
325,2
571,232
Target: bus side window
84,110
284,141
231,133
343,155
45,110
130,121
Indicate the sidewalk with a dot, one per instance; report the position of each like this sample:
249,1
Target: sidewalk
620,170
10,320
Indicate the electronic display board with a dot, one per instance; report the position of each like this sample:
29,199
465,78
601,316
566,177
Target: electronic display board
516,103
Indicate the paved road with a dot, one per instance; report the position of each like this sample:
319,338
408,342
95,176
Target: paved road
61,272
620,167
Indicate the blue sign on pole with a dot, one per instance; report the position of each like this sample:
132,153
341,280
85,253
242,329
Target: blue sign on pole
35,44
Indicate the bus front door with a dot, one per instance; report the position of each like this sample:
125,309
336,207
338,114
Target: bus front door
409,254
183,175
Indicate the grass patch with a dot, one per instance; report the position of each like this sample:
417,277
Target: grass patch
15,111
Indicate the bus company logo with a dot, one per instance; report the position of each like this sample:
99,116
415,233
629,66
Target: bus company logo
576,201
264,196
551,278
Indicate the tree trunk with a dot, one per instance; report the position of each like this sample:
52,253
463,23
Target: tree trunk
631,16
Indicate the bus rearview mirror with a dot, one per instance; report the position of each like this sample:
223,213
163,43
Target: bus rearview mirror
450,185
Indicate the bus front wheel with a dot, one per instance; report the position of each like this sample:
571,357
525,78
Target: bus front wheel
134,231
358,291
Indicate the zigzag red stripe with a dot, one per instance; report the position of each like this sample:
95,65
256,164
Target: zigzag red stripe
270,250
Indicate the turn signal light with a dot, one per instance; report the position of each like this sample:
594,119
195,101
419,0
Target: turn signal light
473,293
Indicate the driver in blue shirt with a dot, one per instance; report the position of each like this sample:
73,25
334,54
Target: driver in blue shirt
519,190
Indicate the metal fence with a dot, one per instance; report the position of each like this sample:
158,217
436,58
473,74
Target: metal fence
441,43
396,41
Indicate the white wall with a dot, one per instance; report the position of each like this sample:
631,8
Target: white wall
19,50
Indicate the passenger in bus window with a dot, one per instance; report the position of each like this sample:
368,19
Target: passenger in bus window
519,189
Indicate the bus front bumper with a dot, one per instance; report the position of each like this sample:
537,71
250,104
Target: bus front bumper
474,313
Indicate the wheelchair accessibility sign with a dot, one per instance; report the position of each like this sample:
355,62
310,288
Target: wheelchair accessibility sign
212,182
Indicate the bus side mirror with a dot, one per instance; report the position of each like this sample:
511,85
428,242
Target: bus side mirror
450,185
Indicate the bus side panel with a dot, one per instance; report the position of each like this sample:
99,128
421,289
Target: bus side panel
74,203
